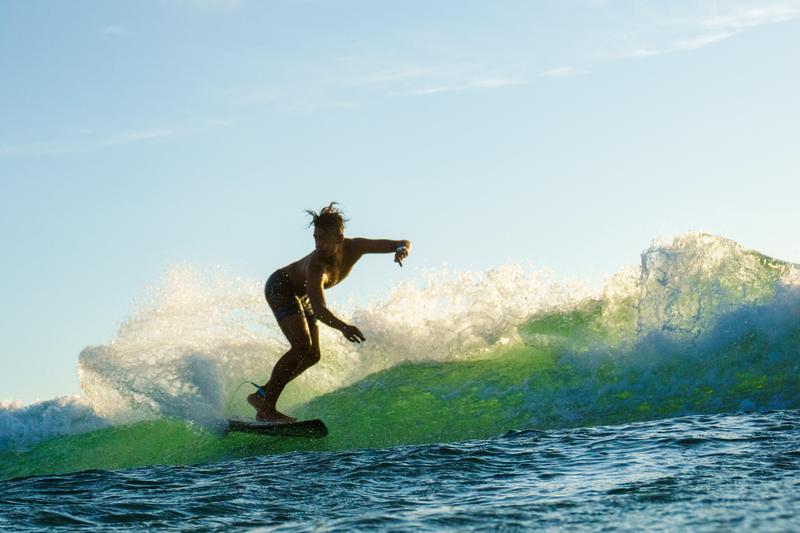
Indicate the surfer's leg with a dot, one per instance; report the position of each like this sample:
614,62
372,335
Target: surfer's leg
289,313
296,319
312,357
296,331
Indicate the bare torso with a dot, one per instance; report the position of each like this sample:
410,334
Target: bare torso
334,268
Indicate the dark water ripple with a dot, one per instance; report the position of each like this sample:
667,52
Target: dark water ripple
702,473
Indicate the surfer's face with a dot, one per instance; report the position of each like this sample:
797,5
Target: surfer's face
326,240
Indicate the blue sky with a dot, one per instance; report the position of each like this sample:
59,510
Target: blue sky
140,135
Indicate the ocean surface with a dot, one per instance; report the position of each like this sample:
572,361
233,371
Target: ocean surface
509,399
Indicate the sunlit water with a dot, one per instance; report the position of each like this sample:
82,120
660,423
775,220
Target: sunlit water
704,473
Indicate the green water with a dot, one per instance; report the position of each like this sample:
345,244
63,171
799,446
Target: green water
517,388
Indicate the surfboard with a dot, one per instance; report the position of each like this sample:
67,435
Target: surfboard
313,429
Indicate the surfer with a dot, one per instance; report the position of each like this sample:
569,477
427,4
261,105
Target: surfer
296,295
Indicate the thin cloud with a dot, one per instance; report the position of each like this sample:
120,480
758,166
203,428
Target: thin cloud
392,75
749,18
719,28
560,72
701,41
307,107
419,80
349,87
37,149
132,137
485,83
220,123
638,53
679,45
495,83
46,148
114,30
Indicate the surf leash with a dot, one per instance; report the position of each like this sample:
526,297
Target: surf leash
261,392
259,389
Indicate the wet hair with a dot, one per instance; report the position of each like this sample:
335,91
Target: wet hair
328,218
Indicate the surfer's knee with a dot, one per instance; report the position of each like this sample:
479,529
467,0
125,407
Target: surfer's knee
313,356
302,346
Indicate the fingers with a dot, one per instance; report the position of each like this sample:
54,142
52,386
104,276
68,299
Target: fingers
354,335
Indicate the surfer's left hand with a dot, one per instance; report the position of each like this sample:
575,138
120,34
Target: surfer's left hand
353,334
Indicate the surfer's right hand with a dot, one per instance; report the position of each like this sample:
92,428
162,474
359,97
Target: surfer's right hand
353,334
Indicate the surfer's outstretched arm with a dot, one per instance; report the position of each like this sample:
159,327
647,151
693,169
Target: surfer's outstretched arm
316,296
400,249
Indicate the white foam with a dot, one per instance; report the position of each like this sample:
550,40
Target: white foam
22,425
688,282
199,334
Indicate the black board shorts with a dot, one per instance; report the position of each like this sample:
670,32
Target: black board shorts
284,301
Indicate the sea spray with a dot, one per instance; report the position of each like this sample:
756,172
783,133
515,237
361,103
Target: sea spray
21,426
197,337
702,325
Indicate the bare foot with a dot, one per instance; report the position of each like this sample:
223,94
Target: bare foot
255,400
272,415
